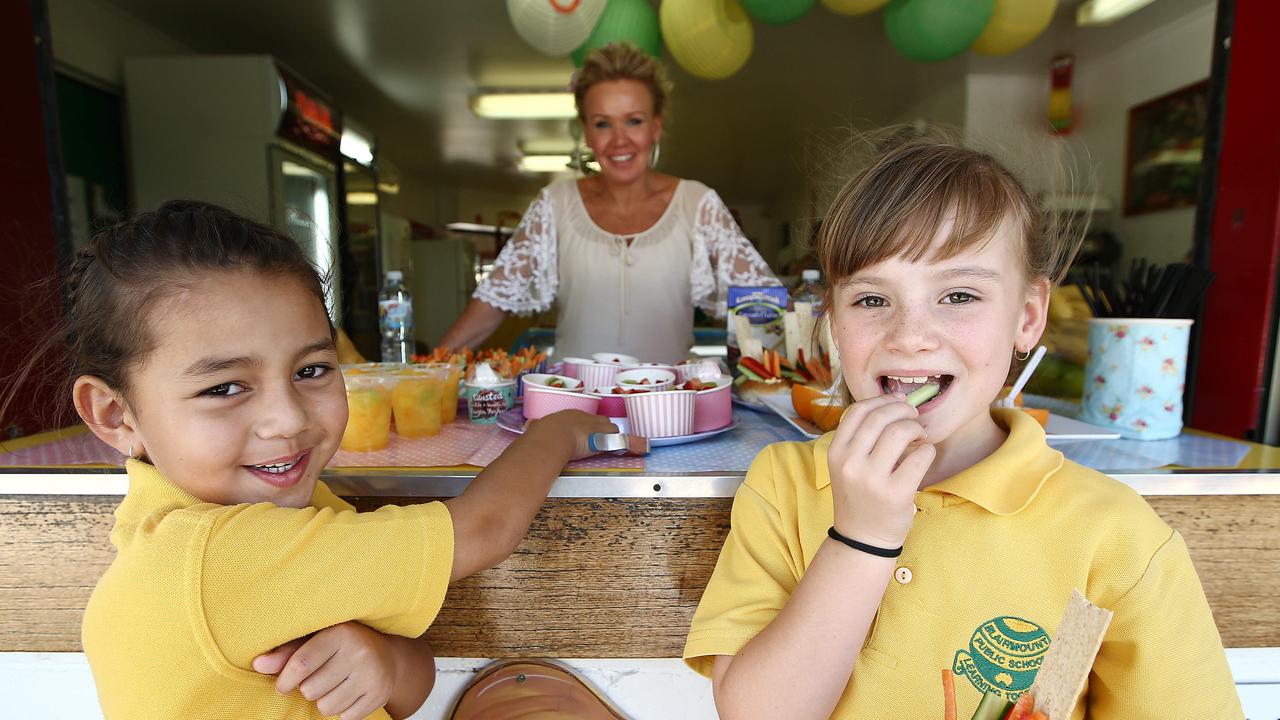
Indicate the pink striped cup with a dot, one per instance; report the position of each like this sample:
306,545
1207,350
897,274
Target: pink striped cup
573,366
661,414
598,375
610,405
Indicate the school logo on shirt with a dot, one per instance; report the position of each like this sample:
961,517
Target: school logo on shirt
1003,656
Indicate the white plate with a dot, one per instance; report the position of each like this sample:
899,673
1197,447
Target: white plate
781,404
1059,429
513,420
750,405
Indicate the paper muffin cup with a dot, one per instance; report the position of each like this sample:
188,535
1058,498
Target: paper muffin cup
599,375
661,414
572,366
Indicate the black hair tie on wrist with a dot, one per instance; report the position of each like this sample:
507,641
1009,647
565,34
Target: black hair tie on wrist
863,547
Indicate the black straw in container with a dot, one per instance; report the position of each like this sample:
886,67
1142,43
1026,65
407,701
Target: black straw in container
1175,291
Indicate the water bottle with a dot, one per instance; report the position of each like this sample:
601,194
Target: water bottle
810,290
395,319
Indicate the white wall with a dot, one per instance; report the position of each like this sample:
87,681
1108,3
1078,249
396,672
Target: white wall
94,37
59,686
1162,48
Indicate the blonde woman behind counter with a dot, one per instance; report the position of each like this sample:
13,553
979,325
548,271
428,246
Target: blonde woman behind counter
628,252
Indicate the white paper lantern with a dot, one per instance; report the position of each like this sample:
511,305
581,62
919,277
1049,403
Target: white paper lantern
554,27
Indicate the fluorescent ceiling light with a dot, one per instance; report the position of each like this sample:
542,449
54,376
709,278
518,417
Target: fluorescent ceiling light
544,163
362,198
524,104
1105,12
389,188
357,147
546,146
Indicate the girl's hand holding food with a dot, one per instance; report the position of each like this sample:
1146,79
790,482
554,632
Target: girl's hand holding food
877,461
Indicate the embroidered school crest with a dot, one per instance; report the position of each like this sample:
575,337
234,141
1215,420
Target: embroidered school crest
1004,655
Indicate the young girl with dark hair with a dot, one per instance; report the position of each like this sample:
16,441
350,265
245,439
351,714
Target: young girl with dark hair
199,346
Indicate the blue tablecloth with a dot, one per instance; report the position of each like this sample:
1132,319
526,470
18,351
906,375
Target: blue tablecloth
730,452
734,450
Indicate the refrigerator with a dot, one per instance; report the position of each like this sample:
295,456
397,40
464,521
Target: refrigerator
442,280
245,132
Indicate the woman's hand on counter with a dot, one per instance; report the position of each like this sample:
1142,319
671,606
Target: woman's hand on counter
477,322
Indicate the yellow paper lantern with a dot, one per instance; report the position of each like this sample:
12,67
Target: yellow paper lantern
554,27
854,7
1013,25
711,39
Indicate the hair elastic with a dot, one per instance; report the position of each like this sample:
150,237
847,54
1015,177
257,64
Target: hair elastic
863,547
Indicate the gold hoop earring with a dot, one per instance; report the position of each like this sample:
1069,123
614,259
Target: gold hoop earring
657,153
1023,356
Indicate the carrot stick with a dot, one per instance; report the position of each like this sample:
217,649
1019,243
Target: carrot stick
1037,715
948,695
1026,703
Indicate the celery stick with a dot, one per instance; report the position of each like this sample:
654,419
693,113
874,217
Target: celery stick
993,705
922,394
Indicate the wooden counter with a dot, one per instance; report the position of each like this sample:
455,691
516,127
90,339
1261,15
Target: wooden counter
612,567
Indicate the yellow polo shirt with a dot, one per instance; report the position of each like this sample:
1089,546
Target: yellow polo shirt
981,584
197,591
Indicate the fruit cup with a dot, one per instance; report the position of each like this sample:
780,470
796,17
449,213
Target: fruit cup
368,414
419,398
449,394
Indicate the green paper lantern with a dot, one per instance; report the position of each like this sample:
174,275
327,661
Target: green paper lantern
710,39
935,30
632,21
777,12
1014,24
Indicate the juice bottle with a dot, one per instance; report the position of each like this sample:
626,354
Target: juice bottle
368,414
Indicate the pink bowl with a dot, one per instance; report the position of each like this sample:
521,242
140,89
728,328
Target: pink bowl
713,408
540,401
661,414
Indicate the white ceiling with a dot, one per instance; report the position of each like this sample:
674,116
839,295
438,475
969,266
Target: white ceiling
404,68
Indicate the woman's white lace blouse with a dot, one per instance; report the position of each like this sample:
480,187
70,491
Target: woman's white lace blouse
634,298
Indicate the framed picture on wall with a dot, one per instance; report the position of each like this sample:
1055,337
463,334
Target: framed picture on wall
1165,150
